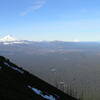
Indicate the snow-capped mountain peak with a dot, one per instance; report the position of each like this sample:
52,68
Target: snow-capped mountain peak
7,38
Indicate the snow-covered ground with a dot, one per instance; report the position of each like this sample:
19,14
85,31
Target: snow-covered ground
14,68
45,96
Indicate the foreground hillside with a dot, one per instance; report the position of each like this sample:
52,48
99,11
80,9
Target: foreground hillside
18,84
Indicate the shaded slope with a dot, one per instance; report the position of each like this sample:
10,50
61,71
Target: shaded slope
18,84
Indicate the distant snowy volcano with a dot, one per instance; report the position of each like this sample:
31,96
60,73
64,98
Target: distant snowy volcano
11,40
7,38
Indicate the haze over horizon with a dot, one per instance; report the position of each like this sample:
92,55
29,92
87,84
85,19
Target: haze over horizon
11,38
66,20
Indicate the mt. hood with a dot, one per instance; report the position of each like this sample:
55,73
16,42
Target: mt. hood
7,38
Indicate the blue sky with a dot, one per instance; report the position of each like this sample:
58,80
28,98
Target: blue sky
65,20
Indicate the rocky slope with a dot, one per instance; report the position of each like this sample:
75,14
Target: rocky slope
18,84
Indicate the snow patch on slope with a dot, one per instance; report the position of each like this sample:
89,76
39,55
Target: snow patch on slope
14,68
39,92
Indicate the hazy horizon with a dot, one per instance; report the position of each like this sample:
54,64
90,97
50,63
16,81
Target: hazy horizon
5,36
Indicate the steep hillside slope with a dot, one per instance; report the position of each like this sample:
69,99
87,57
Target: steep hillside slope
18,84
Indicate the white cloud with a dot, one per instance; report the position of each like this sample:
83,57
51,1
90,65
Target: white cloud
36,5
76,40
